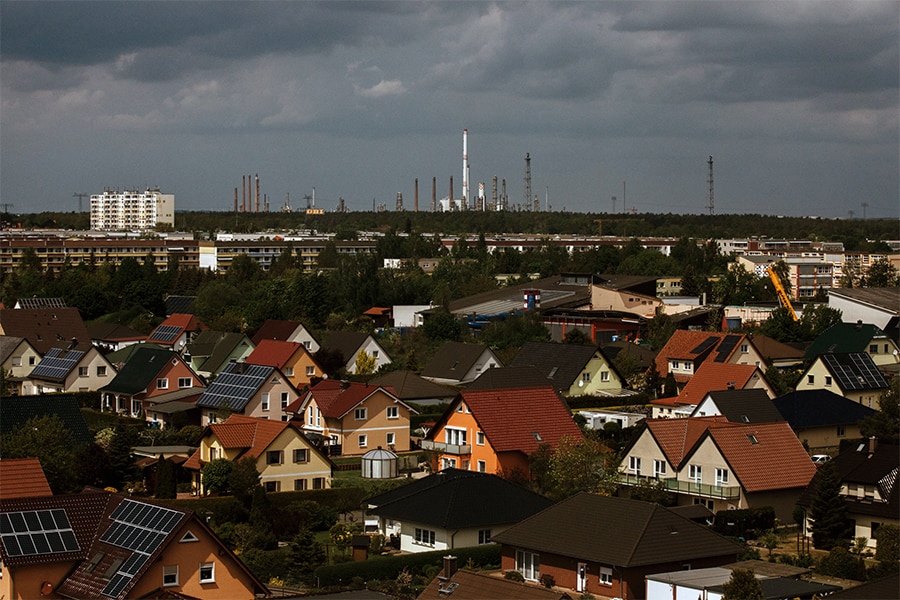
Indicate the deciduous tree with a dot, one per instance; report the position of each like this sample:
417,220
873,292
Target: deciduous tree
743,585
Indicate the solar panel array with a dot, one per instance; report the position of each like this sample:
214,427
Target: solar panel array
57,363
725,348
34,532
166,333
705,344
141,528
854,371
234,386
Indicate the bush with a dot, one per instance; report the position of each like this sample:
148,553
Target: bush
840,563
746,523
514,576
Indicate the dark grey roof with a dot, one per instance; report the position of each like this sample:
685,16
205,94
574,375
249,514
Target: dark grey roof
454,499
560,363
557,291
453,360
8,343
643,355
141,369
112,331
16,410
746,406
180,305
854,371
509,378
805,409
885,587
217,347
347,342
776,588
409,387
616,531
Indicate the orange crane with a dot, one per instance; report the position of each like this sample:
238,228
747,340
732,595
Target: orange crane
780,292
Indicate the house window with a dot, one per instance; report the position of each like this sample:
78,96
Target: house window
448,463
273,457
873,348
162,384
586,377
17,361
659,468
479,438
363,440
301,455
745,348
284,400
101,371
604,375
135,407
810,379
695,473
456,437
840,431
390,438
310,371
299,485
170,575
374,353
31,360
528,564
360,414
207,572
272,486
482,466
318,483
634,464
484,536
82,371
605,576
307,344
393,412
721,476
213,453
184,382
425,537
265,401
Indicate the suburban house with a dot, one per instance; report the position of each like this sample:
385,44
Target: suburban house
671,408
869,487
410,387
686,350
510,378
176,332
452,509
22,478
495,431
350,344
606,546
112,336
739,406
97,544
456,363
292,358
210,351
16,411
869,305
475,585
150,372
285,458
852,375
777,354
76,368
173,409
722,465
354,418
821,419
713,376
843,338
17,358
251,390
44,328
573,369
629,293
286,331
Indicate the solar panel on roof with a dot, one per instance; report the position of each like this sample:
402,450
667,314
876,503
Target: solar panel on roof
234,387
705,345
166,333
725,348
57,363
868,370
34,532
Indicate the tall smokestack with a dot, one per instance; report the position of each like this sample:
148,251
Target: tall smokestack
235,199
257,192
465,184
416,197
243,193
434,194
451,192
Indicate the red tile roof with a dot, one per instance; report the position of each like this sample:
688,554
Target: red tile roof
515,419
713,377
182,321
335,398
22,478
250,434
681,345
273,353
677,437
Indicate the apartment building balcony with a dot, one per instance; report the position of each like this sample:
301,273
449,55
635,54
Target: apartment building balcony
689,488
454,449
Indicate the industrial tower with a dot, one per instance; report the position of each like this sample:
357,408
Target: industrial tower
711,206
527,180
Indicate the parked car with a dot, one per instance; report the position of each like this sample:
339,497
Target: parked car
820,459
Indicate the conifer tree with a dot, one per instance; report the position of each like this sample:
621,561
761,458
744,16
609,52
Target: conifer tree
829,511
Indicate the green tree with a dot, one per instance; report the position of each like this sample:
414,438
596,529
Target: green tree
307,555
165,479
442,326
884,424
92,466
121,458
652,490
580,465
828,511
244,479
659,329
815,319
882,273
49,440
737,286
365,363
743,585
887,550
215,475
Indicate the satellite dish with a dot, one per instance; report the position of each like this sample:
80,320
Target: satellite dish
580,383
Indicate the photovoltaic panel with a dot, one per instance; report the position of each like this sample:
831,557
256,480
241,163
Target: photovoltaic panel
854,371
705,345
725,348
868,370
166,333
234,387
36,532
57,363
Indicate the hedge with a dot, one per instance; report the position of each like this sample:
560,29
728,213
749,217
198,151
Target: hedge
337,498
745,522
386,568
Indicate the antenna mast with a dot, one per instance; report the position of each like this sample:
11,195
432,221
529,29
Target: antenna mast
527,180
80,196
711,206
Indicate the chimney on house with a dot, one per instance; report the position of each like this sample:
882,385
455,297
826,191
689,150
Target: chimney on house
449,568
731,385
873,443
859,324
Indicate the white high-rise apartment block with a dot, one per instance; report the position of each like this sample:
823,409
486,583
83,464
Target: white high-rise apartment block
131,210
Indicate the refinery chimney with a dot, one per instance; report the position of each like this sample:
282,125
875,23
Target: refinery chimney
465,184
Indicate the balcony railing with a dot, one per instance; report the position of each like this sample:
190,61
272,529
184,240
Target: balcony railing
690,488
455,449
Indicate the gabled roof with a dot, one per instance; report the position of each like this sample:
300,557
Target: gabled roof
454,360
113,332
58,363
40,303
713,376
696,346
141,370
409,387
517,420
473,585
168,332
845,337
22,478
180,304
772,349
616,531
218,347
453,499
44,327
274,353
234,387
16,410
348,343
562,364
643,355
275,329
853,371
677,437
8,345
507,378
804,409
745,406
336,398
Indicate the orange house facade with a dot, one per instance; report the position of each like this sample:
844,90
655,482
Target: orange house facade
292,358
462,444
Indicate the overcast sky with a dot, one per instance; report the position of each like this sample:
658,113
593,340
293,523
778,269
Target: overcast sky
797,102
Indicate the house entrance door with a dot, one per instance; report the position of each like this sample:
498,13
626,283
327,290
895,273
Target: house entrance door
581,579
